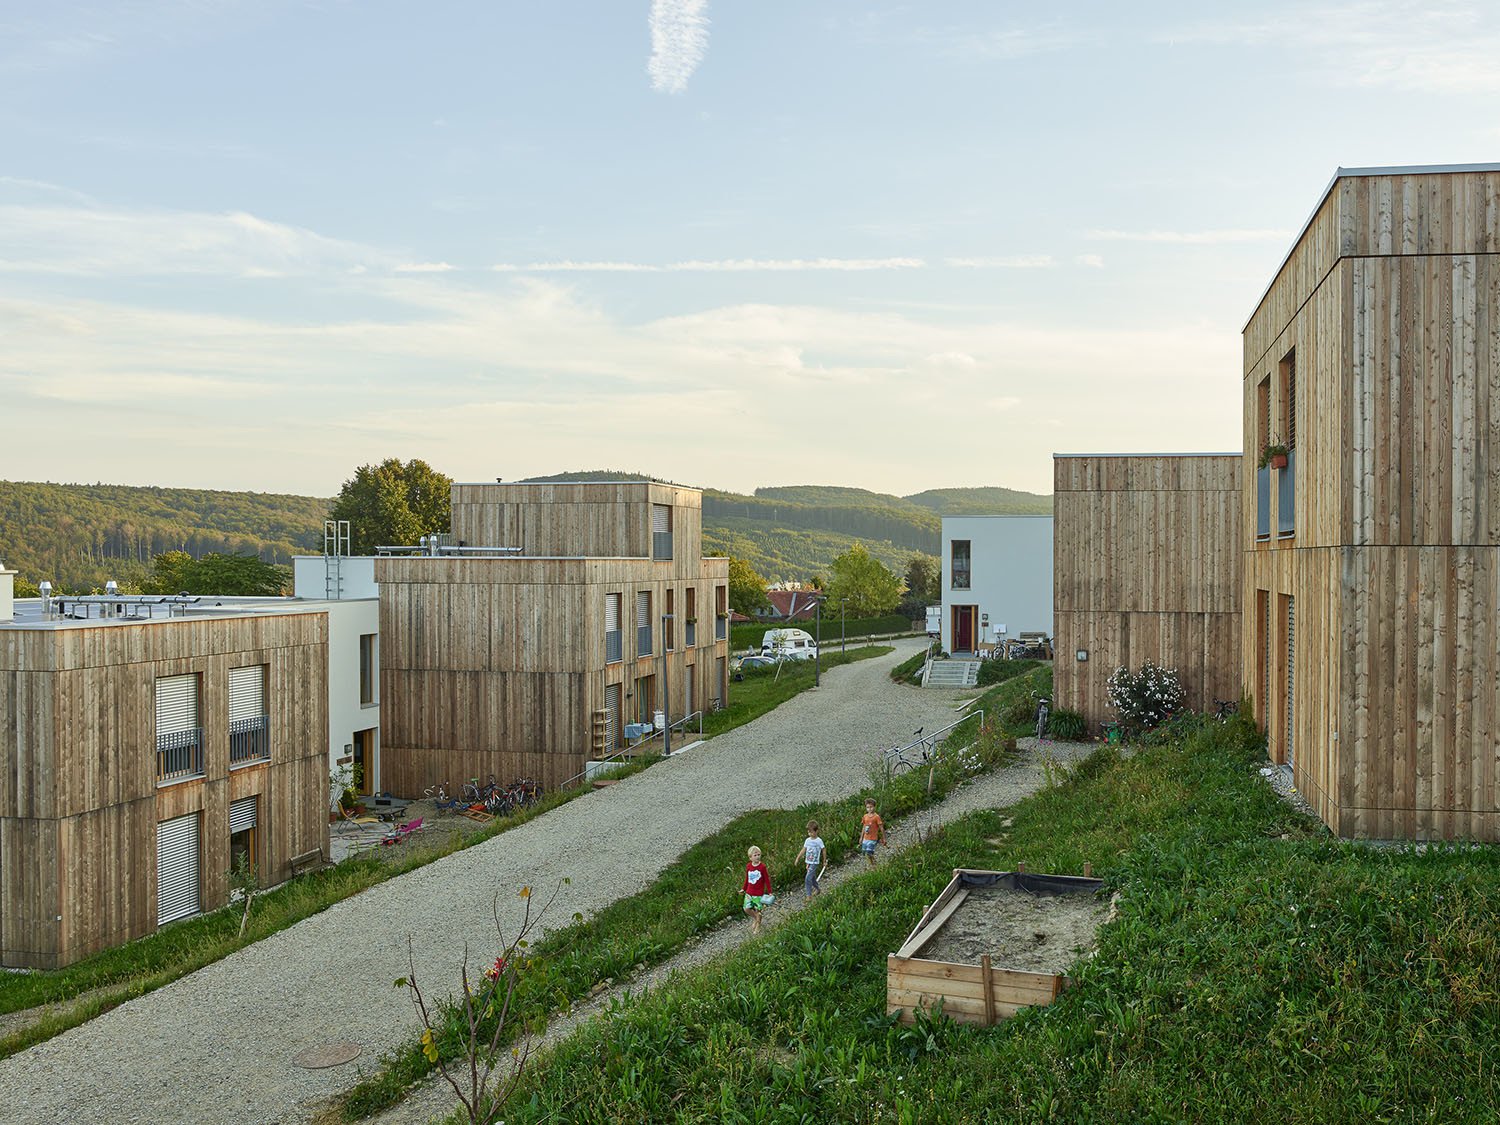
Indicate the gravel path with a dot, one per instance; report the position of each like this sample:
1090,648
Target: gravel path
217,1046
433,1099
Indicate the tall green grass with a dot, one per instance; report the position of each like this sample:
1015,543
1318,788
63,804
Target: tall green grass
1259,971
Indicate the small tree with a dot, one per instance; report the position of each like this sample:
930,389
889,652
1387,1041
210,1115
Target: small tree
481,1078
1145,699
747,589
923,578
867,583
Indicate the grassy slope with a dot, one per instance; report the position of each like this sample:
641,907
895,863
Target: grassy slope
1259,971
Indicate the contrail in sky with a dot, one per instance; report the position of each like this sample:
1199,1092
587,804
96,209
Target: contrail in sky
679,38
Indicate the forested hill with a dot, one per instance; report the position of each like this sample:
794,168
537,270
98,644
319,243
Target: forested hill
81,535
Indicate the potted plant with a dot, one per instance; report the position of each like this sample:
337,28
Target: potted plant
1274,455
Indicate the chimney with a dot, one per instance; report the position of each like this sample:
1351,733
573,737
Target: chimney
7,594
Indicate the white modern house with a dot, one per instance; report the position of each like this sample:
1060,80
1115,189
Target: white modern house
997,579
346,586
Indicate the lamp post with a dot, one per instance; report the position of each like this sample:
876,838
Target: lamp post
666,698
842,602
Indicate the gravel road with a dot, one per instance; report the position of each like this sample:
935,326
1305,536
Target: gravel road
218,1045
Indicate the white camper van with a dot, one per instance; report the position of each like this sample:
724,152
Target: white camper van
789,644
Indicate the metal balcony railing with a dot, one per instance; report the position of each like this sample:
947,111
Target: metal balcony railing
179,755
643,640
661,545
1262,504
614,646
1286,497
249,740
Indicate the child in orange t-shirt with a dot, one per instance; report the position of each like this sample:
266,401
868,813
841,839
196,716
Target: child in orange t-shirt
871,828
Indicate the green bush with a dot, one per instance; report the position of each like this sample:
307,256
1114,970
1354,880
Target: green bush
993,672
750,634
1067,726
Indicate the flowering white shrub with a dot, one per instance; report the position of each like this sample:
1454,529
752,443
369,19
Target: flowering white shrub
1147,698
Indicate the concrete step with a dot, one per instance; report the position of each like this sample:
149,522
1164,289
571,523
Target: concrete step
951,674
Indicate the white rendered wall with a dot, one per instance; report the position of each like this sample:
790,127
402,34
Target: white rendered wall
347,622
7,594
356,577
1010,574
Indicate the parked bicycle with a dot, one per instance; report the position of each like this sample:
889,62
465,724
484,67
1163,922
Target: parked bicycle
1226,709
1043,713
917,752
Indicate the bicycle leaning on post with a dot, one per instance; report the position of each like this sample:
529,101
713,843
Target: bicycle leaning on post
1043,713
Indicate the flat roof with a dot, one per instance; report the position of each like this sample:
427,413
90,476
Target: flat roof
30,615
545,483
1359,173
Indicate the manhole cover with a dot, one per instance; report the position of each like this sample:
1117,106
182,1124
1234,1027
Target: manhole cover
330,1054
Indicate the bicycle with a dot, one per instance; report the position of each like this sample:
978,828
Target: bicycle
1226,709
1043,713
897,760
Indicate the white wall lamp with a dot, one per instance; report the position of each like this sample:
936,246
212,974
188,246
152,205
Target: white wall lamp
1082,655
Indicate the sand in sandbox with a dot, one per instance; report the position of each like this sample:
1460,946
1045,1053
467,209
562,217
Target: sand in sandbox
1019,930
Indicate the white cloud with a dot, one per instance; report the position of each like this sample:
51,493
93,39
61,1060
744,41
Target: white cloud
679,40
1011,262
722,265
1091,261
424,267
1425,45
98,241
1192,237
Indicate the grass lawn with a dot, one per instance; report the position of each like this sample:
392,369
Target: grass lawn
765,689
1259,971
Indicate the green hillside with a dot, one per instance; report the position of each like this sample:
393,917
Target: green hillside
80,535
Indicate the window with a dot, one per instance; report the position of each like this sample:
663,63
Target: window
959,565
1288,750
661,532
1286,476
643,623
614,645
611,718
179,734
242,825
1261,439
367,669
721,612
669,626
645,699
690,626
178,866
249,734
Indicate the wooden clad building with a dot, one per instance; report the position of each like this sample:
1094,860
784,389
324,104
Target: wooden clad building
530,664
136,757
1372,550
1147,567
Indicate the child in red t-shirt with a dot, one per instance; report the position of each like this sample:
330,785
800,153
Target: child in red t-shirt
757,889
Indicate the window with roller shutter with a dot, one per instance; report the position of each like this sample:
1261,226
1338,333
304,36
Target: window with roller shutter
249,733
179,734
178,866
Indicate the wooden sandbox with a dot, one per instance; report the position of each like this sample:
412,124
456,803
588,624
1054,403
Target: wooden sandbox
971,987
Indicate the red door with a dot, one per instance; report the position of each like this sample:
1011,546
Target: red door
963,628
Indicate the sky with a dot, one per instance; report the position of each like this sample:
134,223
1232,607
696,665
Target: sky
729,243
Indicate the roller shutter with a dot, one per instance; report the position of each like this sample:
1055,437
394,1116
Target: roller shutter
242,814
643,610
177,868
247,692
176,704
1291,676
611,613
612,723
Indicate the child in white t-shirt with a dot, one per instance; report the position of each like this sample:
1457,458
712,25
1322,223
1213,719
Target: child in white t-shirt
813,852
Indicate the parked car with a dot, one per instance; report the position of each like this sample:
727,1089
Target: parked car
747,663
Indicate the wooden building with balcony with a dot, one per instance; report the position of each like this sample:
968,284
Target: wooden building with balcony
1147,560
554,614
1371,521
140,756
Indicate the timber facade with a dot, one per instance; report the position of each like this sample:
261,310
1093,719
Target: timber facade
530,664
1372,550
126,785
1147,567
